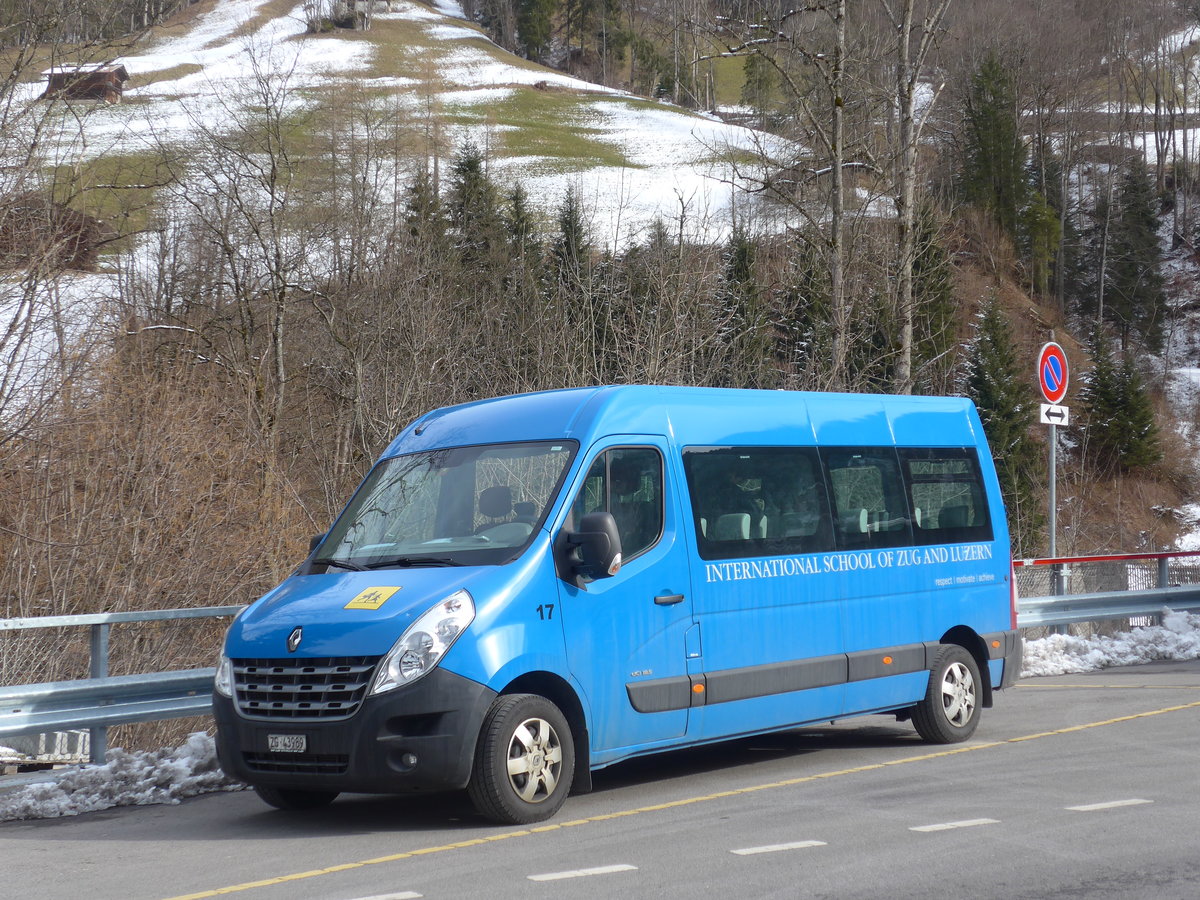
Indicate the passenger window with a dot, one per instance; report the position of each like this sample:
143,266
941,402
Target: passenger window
628,483
757,501
869,505
946,492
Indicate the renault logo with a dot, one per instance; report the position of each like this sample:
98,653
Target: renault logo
294,639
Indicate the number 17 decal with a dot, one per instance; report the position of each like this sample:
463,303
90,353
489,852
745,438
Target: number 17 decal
545,611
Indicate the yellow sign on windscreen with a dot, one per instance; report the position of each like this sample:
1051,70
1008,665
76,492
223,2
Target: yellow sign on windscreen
371,598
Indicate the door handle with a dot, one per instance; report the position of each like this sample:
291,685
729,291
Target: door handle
668,599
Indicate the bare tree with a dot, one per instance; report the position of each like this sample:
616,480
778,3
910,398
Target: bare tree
245,191
821,59
42,238
914,44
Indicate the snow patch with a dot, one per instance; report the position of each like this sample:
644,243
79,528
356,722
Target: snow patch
1062,654
126,779
1190,540
451,8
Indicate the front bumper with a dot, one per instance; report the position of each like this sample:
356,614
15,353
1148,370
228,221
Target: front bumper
437,720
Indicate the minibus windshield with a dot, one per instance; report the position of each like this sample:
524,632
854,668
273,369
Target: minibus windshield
457,506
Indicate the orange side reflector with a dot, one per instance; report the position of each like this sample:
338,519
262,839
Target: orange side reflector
995,643
697,689
887,660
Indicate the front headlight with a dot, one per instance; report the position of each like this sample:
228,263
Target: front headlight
425,642
223,682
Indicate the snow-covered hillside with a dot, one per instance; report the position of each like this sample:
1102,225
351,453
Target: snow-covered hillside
672,163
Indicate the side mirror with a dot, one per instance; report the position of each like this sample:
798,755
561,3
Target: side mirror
596,546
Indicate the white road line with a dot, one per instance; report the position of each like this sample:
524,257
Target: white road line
403,895
775,848
1112,804
947,826
581,873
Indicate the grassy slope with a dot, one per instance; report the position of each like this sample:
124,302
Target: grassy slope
558,128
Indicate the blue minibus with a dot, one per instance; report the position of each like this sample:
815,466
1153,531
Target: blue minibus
526,589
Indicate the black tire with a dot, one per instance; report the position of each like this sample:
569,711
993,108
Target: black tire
524,761
950,711
291,799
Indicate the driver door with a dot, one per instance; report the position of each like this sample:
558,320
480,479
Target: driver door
627,635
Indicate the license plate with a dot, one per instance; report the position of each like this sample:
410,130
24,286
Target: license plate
287,743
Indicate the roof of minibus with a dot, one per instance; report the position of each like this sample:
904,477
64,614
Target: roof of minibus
699,416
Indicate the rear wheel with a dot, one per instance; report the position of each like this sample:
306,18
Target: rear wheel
524,761
290,798
950,711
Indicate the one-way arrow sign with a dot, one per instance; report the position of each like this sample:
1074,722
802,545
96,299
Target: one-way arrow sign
1055,415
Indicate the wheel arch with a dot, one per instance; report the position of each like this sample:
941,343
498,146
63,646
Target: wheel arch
555,689
969,640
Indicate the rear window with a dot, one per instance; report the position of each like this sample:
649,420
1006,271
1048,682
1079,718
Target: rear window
946,492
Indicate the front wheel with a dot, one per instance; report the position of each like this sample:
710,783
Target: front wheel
524,761
950,711
291,799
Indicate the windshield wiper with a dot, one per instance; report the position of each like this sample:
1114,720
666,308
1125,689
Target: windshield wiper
405,562
341,564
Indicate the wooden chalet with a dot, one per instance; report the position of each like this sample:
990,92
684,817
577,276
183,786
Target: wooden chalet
90,81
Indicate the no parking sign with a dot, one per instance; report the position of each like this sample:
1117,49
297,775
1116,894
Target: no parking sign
1053,373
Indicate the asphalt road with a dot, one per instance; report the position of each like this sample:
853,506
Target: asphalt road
1078,786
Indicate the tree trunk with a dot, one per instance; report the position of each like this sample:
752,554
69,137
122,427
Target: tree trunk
837,225
908,67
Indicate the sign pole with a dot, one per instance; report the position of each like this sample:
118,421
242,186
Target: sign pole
1058,583
1053,490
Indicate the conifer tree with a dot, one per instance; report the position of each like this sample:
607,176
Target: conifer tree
1042,233
525,265
571,244
759,86
535,23
1066,264
934,308
571,285
1085,291
750,338
423,211
473,204
580,21
805,340
1119,433
993,174
519,223
1142,448
1003,392
1133,293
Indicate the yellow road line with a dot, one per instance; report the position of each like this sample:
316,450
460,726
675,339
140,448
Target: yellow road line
672,804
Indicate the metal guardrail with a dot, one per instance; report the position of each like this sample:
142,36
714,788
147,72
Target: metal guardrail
1094,588
103,700
100,702
1095,607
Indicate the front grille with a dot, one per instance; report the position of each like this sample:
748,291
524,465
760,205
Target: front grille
298,764
302,689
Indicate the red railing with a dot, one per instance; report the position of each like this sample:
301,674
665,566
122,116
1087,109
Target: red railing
1170,554
1106,572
